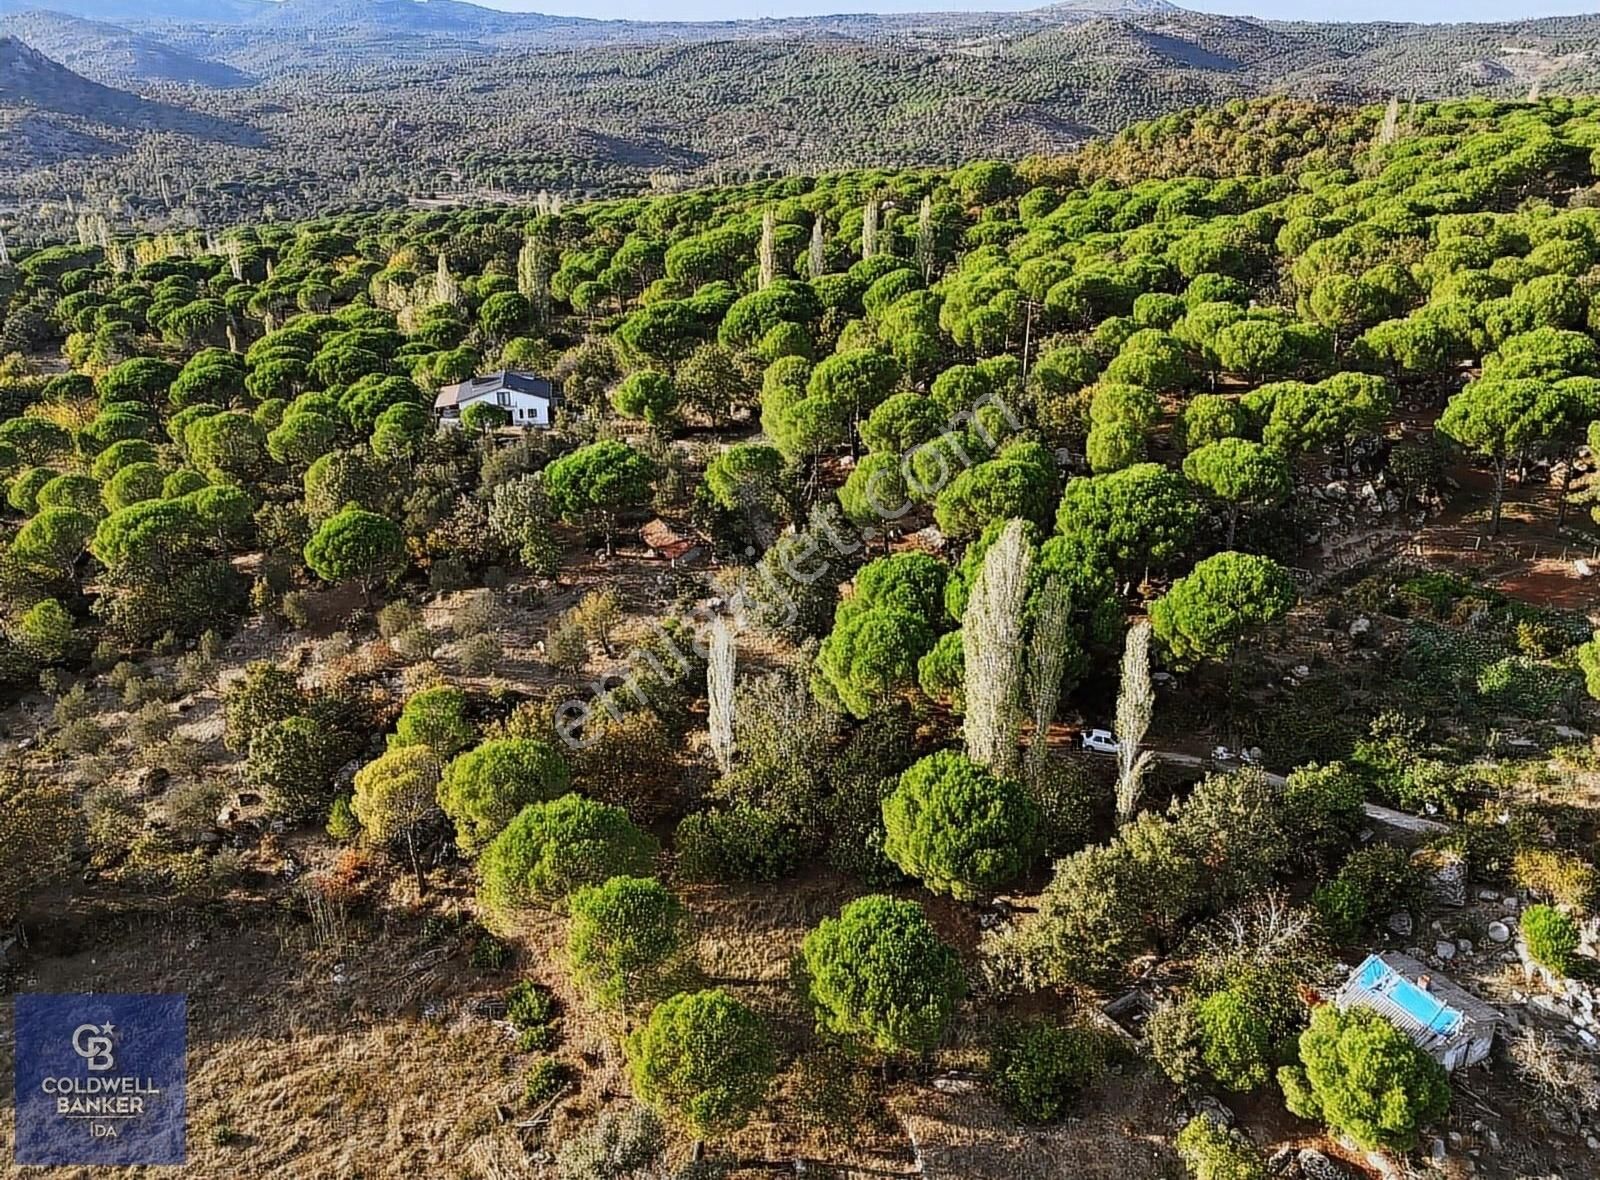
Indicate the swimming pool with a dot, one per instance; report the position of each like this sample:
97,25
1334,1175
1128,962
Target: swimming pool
1426,1009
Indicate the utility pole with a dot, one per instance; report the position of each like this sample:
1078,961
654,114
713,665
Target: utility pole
1027,335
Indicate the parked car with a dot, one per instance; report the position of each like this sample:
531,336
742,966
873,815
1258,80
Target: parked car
1101,741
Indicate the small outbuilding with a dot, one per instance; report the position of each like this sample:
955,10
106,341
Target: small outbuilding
664,541
528,399
1443,1019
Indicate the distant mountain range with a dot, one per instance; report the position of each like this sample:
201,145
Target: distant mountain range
309,105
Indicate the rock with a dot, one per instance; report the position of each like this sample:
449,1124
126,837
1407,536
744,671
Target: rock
952,1084
1444,950
1316,1166
1208,1107
1400,922
1464,946
1436,1150
1447,877
1490,895
1567,733
1499,932
1360,627
1493,1140
1282,1161
151,780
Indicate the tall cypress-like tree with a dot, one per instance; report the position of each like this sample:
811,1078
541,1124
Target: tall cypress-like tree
1136,701
992,647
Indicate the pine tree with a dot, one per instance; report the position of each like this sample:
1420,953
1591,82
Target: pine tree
992,646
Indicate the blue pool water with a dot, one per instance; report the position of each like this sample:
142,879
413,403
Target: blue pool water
1426,1009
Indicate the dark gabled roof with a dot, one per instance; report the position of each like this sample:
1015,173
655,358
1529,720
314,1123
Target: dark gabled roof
517,382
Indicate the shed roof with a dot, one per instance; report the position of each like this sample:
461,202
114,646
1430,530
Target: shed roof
665,540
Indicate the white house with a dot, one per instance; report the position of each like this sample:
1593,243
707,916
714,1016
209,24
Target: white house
528,398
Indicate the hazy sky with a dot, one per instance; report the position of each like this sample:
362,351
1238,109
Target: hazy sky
1415,10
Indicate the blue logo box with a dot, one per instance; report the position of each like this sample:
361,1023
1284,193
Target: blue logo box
100,1079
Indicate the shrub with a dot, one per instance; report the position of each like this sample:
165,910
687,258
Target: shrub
45,631
1364,1078
551,849
625,939
483,789
1235,1043
619,1145
396,617
703,1058
545,1078
880,972
1173,1031
531,1010
342,823
739,843
264,694
480,655
1213,1152
957,827
1037,1068
395,796
1559,877
1552,938
292,762
1372,884
436,718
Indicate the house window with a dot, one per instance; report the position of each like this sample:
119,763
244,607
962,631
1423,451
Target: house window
503,397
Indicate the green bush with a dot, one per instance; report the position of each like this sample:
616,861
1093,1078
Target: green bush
551,849
626,939
292,762
545,1078
1552,938
739,843
1213,1152
1364,1078
437,718
879,972
45,631
531,1010
704,1059
958,828
1373,883
483,789
1235,1043
1037,1068
342,823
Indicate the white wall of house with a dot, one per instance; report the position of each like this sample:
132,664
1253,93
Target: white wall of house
526,409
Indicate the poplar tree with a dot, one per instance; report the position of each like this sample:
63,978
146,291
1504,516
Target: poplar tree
992,648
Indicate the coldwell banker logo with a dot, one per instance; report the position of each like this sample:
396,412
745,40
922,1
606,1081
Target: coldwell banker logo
100,1079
